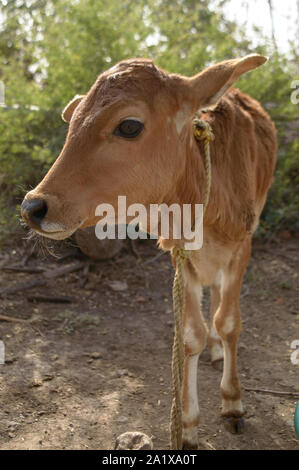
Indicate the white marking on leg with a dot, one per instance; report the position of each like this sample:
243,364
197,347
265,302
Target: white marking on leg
214,334
216,349
227,366
195,334
192,411
218,280
229,406
229,324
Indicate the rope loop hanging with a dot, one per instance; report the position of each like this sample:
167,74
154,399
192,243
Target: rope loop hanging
203,133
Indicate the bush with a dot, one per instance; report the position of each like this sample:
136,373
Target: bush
281,211
69,43
29,142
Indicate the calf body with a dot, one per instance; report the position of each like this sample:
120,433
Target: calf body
135,126
243,159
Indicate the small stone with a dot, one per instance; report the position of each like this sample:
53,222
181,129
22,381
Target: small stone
10,360
122,372
122,419
35,383
12,424
96,355
117,286
141,300
133,441
48,377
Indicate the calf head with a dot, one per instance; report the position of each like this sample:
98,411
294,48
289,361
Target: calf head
128,136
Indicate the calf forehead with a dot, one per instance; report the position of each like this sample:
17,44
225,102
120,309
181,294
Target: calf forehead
136,79
131,81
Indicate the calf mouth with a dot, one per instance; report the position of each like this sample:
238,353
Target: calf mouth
34,213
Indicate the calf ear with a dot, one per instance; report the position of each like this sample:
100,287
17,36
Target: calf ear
209,85
70,108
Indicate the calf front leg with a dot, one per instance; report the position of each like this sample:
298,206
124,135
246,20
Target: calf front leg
227,322
195,337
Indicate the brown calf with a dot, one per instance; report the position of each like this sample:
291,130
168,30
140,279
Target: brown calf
132,135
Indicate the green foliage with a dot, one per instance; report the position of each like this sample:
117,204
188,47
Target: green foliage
84,38
49,51
271,85
281,211
194,35
52,49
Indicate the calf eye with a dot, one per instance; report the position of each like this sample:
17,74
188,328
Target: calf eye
129,128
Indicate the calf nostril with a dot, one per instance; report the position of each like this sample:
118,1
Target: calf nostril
34,210
39,213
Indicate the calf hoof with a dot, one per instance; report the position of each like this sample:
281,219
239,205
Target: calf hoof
190,439
234,425
187,445
190,445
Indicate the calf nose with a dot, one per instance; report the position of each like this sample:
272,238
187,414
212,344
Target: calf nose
34,210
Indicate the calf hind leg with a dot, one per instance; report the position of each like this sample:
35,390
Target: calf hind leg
227,322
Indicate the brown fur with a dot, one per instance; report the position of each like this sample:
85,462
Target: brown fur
243,162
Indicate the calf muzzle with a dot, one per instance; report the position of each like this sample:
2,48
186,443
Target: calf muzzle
33,211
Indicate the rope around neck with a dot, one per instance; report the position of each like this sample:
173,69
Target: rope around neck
202,132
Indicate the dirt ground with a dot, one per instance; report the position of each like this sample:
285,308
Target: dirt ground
77,375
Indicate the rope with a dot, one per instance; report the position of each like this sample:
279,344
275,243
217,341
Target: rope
202,132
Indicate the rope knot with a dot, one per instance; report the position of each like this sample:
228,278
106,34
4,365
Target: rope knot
202,129
180,253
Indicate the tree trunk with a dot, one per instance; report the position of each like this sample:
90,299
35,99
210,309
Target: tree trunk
270,3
